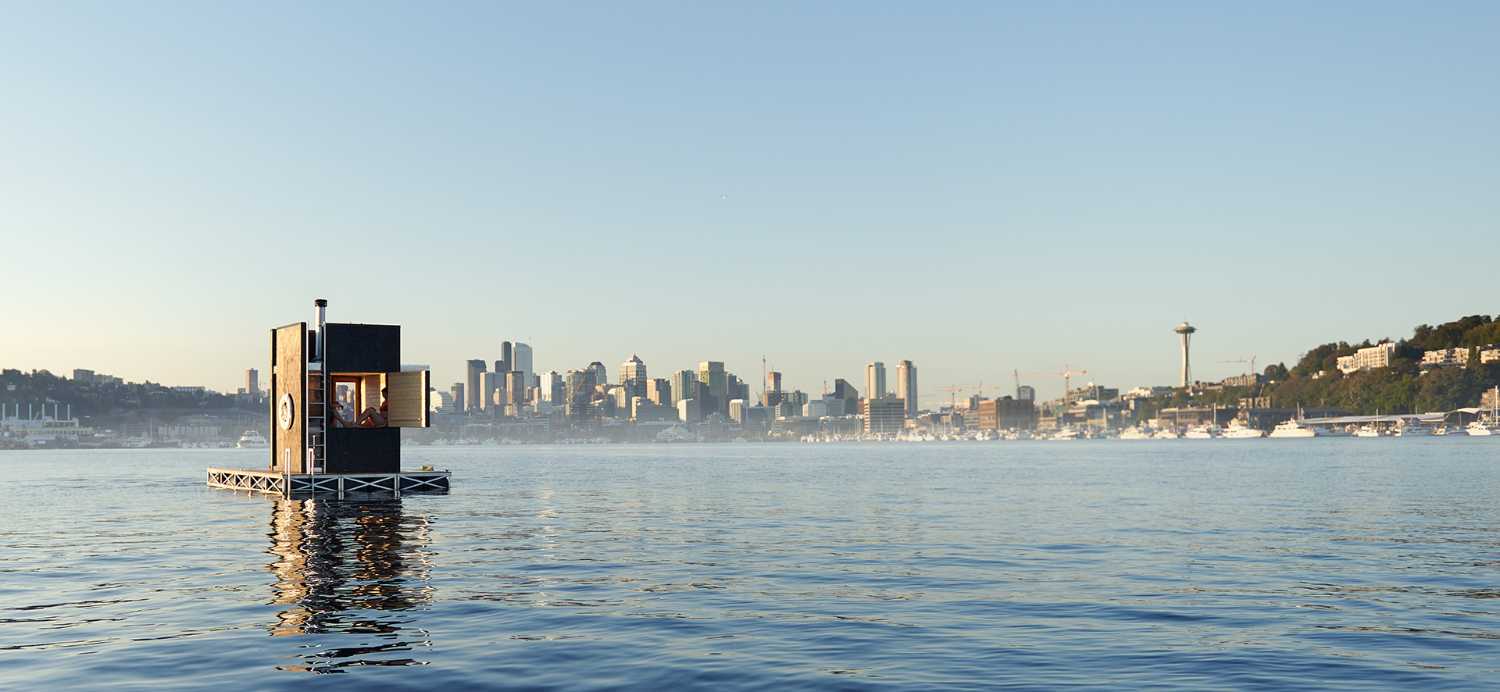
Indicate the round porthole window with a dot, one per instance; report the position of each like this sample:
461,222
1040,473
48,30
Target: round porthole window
284,412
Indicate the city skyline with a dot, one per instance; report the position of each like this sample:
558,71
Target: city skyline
1018,187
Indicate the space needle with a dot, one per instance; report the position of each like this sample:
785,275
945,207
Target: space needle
1186,331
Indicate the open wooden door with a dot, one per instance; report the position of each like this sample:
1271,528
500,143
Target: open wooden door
289,398
408,397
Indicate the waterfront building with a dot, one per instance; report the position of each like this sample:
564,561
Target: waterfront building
737,408
688,411
1446,357
1025,392
884,416
476,395
521,358
1368,358
815,408
457,391
906,386
1006,413
875,380
252,382
659,391
716,383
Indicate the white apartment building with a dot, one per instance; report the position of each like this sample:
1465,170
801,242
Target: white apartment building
1445,357
1369,358
1489,354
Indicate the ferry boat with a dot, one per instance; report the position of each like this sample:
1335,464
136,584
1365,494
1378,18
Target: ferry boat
1293,429
252,439
1240,431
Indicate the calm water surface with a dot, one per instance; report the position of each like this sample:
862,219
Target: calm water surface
1276,564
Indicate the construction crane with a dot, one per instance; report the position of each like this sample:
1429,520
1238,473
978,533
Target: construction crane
1068,373
954,389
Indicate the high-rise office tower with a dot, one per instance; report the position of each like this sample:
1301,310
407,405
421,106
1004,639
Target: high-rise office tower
1026,392
906,386
515,389
579,390
507,355
685,385
488,384
475,395
659,392
716,384
599,373
457,390
552,387
773,389
633,376
875,380
521,356
252,383
735,388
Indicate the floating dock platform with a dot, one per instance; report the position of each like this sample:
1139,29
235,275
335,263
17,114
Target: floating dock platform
339,397
304,485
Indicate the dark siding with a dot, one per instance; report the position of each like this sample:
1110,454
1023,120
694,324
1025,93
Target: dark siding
363,347
364,450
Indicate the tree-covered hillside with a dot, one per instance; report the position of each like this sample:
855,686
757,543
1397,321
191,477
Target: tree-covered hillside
1401,388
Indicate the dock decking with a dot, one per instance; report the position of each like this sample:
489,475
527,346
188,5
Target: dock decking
324,484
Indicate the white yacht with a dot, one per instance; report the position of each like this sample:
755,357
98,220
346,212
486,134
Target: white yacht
1135,433
1368,430
1165,434
1481,429
252,439
1293,429
1240,431
1064,434
1202,432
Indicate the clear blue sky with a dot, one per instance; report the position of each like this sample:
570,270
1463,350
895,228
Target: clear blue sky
977,187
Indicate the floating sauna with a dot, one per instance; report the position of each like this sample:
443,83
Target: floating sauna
339,398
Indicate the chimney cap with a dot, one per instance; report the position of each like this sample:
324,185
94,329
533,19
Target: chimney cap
320,302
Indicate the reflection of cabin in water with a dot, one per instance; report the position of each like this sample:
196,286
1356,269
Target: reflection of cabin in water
339,397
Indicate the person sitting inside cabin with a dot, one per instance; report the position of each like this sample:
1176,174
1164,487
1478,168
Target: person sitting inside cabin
375,417
342,414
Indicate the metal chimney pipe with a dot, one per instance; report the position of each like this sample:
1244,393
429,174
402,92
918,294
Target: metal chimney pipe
320,310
